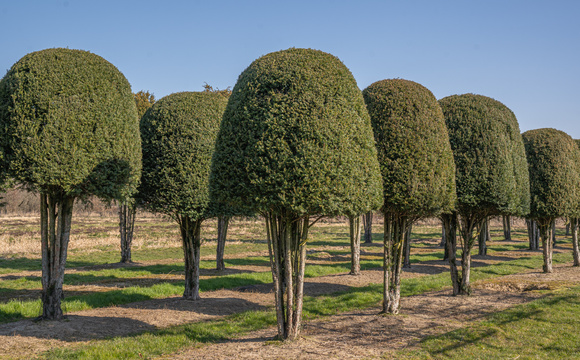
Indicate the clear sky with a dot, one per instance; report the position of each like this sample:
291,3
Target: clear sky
524,53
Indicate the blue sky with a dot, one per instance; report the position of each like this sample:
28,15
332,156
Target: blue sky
524,53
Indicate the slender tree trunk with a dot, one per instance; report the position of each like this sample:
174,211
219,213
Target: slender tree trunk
468,224
355,232
575,250
407,248
55,224
222,232
126,226
368,227
568,223
444,242
191,242
450,226
483,237
545,228
287,247
507,227
395,229
533,234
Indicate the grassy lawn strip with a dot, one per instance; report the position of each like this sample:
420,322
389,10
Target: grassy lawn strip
546,328
170,340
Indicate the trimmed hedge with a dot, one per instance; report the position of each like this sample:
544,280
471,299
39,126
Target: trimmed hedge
296,137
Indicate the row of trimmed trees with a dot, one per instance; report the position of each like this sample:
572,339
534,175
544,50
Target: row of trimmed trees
296,141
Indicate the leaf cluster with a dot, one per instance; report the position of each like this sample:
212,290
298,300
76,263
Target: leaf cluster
68,125
489,155
296,138
553,159
143,100
413,148
179,134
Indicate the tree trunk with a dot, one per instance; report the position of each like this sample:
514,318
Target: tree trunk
368,227
507,227
444,242
568,223
126,226
483,237
191,242
468,224
553,233
394,233
287,247
55,224
545,228
222,232
575,250
450,226
533,234
407,248
355,231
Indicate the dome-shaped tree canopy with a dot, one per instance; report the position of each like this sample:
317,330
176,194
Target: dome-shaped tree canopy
69,124
553,158
413,148
296,136
179,133
489,157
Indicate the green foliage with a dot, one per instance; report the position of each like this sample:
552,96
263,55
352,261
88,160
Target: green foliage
296,138
144,100
553,159
69,125
489,158
179,134
413,148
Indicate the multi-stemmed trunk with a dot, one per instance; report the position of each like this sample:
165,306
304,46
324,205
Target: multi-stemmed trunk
507,227
483,237
395,227
468,224
191,243
126,226
545,228
354,223
55,224
575,250
287,237
407,247
533,234
368,227
222,232
450,225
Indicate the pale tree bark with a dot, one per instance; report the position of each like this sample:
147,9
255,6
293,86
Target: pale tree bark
507,227
407,247
468,224
55,224
450,226
287,237
394,232
545,227
575,250
368,227
126,226
222,232
191,243
355,232
484,236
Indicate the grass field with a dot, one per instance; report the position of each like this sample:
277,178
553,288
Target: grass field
94,280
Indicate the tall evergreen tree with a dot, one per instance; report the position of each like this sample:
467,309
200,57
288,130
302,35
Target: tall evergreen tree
69,129
295,144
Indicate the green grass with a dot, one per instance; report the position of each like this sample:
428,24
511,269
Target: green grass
171,340
547,328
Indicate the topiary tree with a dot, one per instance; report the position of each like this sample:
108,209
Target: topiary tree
128,206
179,134
491,176
69,129
295,142
553,159
416,165
574,222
